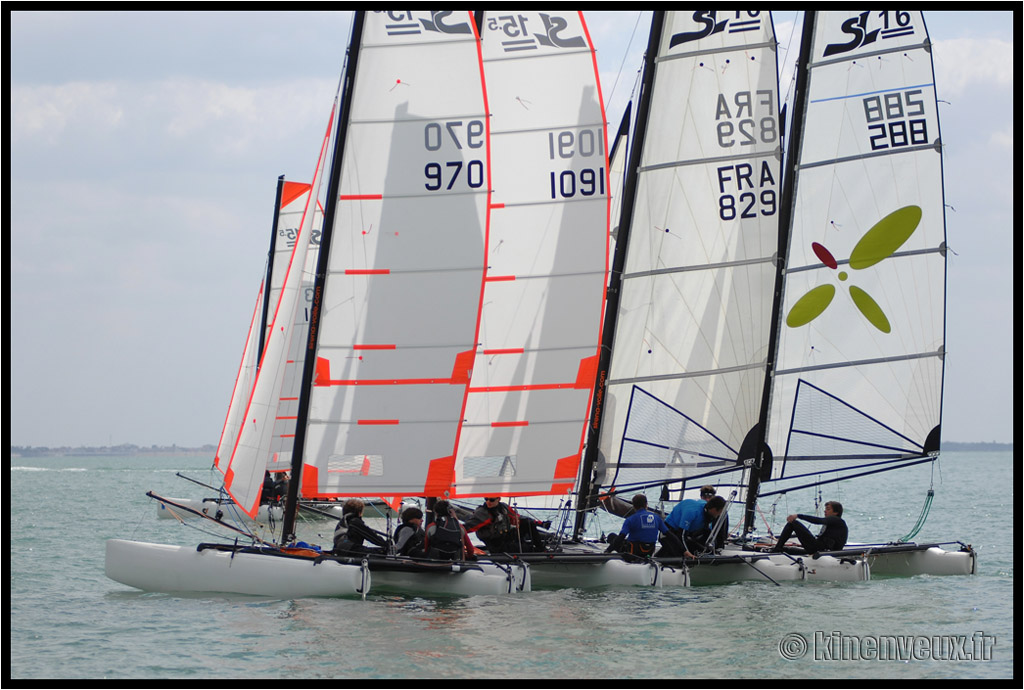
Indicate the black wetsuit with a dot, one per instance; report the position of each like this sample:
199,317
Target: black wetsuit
831,538
409,540
350,534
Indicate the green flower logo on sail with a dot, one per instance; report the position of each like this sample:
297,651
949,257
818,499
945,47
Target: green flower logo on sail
879,243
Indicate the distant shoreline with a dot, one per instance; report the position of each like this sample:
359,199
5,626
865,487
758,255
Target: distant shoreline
128,449
982,446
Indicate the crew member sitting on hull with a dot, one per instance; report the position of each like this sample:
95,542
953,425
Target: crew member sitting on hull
445,538
409,535
640,531
832,536
503,530
274,490
351,532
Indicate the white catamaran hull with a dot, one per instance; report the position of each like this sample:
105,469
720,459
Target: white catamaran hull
464,579
901,560
612,573
925,560
210,507
166,568
266,514
739,566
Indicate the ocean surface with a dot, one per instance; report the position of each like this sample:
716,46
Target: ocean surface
67,620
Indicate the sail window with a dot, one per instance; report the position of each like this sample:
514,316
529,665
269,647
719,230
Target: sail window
495,466
357,465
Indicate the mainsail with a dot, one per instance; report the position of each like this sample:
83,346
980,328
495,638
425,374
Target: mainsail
547,258
402,264
699,231
253,447
289,206
283,435
859,367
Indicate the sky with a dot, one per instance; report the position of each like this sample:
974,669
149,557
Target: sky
144,150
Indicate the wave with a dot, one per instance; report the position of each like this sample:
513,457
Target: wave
49,469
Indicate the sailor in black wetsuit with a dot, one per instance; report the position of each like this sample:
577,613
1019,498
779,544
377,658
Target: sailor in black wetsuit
831,538
351,532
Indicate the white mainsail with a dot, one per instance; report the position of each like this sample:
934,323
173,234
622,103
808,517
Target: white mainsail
858,377
547,258
693,322
243,476
242,390
283,435
399,302
291,204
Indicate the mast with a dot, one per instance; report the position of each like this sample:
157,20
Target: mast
309,365
586,499
270,269
762,457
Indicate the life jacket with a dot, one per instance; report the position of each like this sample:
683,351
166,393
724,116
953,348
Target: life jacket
342,540
413,542
496,524
446,539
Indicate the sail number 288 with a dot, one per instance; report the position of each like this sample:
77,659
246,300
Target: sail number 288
896,119
570,144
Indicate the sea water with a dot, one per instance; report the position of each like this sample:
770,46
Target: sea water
67,620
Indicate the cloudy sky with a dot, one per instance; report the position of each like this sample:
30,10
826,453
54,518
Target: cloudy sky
144,152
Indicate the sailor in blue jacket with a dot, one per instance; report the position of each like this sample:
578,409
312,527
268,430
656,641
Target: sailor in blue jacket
692,521
688,516
640,531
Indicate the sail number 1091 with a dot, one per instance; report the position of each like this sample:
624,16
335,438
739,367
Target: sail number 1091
569,144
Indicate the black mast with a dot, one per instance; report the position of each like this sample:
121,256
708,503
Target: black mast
323,261
761,468
270,270
587,497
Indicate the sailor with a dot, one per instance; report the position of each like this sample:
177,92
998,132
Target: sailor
640,531
267,494
832,536
707,492
409,536
274,490
351,532
502,529
445,538
692,520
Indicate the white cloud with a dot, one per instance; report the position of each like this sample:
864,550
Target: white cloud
964,62
1003,138
214,117
42,113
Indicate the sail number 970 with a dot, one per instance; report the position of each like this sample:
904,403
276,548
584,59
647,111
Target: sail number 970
570,144
447,174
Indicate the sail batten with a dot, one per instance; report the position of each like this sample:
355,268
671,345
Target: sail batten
867,156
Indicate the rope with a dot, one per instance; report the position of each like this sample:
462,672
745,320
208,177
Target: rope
924,516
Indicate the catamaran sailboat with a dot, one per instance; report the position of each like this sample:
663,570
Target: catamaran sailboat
728,355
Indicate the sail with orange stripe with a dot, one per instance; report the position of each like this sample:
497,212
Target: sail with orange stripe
547,258
403,260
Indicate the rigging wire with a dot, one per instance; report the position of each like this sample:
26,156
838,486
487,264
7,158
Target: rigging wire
625,55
